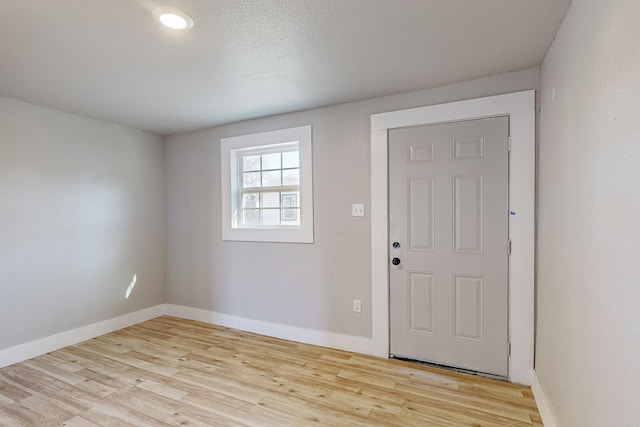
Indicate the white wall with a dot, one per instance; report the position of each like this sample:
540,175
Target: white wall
588,333
301,285
81,212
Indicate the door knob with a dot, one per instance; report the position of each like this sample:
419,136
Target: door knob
396,245
395,261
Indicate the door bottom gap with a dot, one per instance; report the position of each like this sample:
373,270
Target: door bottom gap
450,368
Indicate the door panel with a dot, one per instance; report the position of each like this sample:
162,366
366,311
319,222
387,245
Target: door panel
448,205
468,307
468,196
421,302
421,215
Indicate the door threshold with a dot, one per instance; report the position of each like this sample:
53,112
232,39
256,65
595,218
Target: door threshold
450,368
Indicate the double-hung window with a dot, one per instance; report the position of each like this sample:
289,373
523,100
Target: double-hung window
269,194
266,186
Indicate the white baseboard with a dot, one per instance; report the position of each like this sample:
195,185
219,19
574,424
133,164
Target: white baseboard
544,406
25,351
307,336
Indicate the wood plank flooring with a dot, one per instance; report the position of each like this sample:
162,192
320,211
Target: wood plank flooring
175,372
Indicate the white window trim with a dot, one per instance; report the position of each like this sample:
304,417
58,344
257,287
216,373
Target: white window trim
520,107
229,180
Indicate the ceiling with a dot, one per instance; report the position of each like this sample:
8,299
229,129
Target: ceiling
110,60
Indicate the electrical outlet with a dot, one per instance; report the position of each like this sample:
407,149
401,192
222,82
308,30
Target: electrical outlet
357,209
357,305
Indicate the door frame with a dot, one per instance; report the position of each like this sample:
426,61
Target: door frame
520,107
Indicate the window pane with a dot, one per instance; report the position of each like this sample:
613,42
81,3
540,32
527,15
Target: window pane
250,217
271,161
250,200
251,179
291,159
290,216
291,177
270,200
271,179
291,200
270,216
250,163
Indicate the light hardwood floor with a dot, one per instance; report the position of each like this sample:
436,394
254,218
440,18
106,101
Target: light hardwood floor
170,371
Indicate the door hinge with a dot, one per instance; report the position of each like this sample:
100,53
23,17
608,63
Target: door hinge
509,145
509,348
509,247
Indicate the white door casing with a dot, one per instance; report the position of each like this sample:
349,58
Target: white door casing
520,107
448,221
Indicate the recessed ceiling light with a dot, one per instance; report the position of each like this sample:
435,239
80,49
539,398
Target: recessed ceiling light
173,18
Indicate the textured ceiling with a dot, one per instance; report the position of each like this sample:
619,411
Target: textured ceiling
108,59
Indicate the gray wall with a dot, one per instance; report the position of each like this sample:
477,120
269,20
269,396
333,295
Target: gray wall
588,334
303,285
81,212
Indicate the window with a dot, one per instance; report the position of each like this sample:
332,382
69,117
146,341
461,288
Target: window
267,186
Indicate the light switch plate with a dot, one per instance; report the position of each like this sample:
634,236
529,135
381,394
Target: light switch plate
357,209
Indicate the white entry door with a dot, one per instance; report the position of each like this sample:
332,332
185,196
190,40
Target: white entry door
448,227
